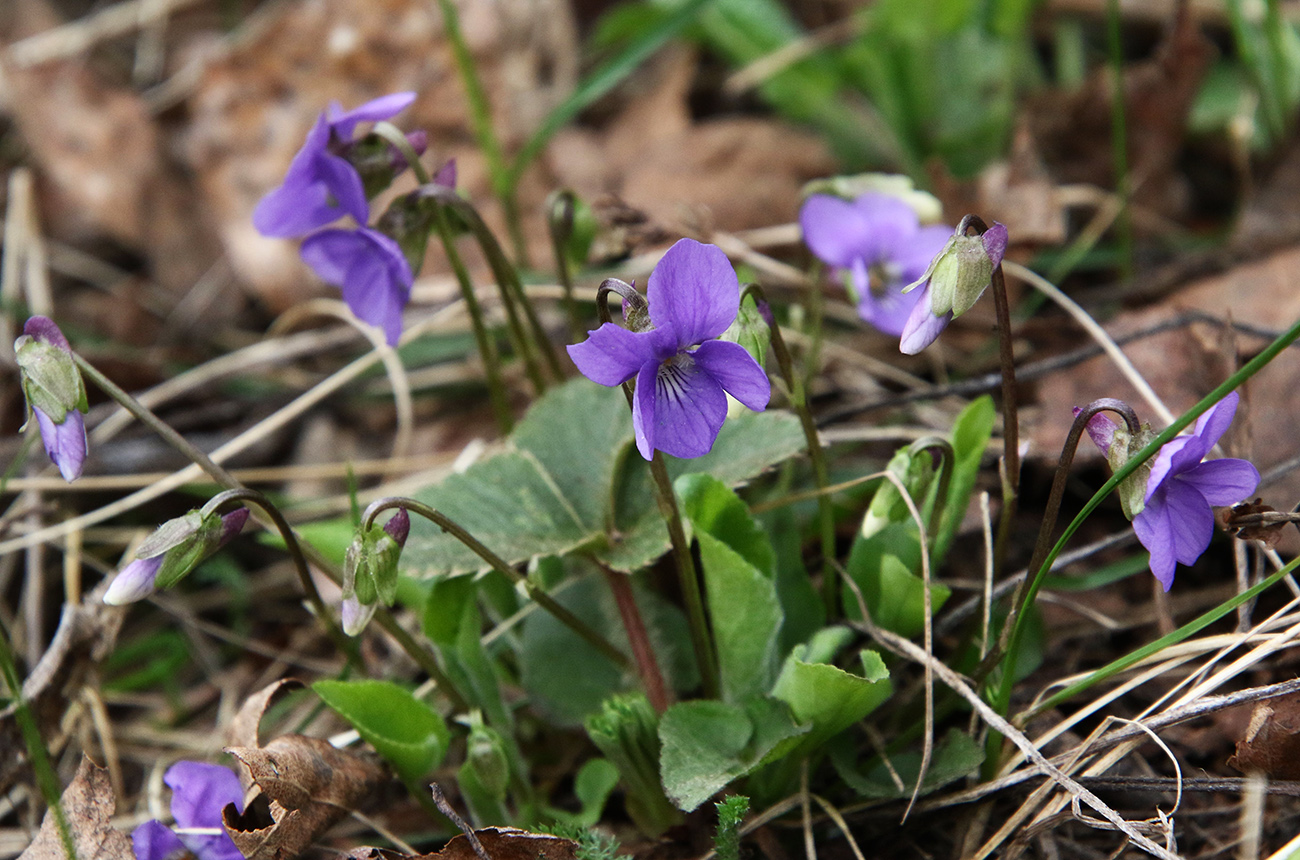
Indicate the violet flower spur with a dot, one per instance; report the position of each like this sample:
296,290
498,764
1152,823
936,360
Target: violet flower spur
371,270
321,186
879,241
683,373
200,792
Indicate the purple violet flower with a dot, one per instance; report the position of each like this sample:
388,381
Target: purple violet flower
200,792
878,239
321,186
1177,522
54,390
954,281
371,270
683,373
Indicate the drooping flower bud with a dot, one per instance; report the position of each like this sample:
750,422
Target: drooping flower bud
174,549
370,571
55,393
485,758
963,270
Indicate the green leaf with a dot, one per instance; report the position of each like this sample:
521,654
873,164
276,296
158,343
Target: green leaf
746,620
829,698
970,437
707,744
894,595
713,507
955,756
568,483
401,728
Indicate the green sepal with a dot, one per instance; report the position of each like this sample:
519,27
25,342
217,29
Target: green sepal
192,537
50,378
1132,490
485,757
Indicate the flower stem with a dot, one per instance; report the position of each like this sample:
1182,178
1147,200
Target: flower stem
346,646
1010,472
420,655
46,778
394,136
1007,648
544,600
688,579
512,290
486,346
799,400
947,461
643,652
480,116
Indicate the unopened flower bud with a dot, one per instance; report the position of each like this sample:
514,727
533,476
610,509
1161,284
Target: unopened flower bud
485,757
963,270
173,550
370,571
55,393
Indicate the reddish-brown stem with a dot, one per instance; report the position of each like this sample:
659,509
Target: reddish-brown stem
643,652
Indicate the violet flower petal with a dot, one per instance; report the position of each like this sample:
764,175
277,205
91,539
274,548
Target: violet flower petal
736,371
154,840
1222,482
890,223
922,327
1191,521
685,411
694,290
200,791
385,107
611,355
913,255
995,243
834,229
1154,530
65,443
134,582
370,269
889,310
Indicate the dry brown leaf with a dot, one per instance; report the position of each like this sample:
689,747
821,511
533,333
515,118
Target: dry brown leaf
729,174
308,784
243,731
501,843
86,634
88,805
1271,744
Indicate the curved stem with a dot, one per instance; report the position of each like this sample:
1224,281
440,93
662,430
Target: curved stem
544,600
393,135
421,656
560,209
486,347
821,474
346,645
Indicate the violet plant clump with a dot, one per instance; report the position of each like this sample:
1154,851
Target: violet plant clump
55,393
200,791
1174,517
879,240
951,284
683,372
331,177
